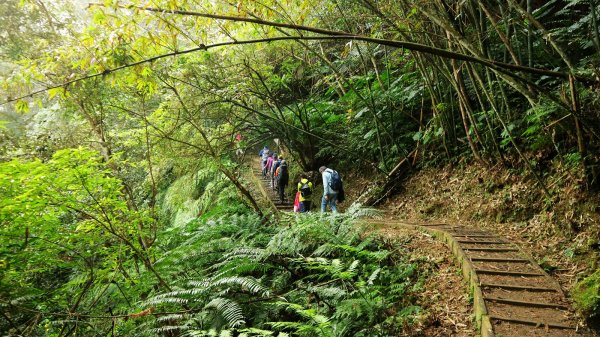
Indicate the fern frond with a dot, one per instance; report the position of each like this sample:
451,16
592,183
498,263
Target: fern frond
230,310
170,317
247,332
246,283
333,293
356,211
163,300
373,276
201,333
252,253
352,268
287,325
326,249
337,265
167,328
241,267
23,299
377,256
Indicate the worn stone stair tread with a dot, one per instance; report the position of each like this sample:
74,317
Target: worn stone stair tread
516,287
525,303
488,242
481,249
498,259
506,272
470,234
534,323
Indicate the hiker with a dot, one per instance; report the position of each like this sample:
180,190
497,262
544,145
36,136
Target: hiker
305,189
238,145
274,171
268,165
283,177
297,203
332,185
264,154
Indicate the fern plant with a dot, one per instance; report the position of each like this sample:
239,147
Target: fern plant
315,277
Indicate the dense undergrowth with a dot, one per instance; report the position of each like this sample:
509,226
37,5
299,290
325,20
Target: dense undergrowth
217,269
314,277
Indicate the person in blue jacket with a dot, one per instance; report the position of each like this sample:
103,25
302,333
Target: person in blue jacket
264,155
329,194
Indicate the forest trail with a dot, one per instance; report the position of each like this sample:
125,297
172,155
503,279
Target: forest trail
512,295
268,192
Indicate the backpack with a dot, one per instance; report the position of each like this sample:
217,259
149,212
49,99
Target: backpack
283,172
336,181
305,190
341,195
275,167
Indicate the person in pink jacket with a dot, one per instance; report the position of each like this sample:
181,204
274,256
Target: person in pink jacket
268,165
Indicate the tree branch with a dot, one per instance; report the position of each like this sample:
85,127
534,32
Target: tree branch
346,35
332,35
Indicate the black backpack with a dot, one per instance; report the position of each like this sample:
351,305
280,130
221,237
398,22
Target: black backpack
341,195
283,173
305,190
336,181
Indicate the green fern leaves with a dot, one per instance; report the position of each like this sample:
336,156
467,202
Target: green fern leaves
230,310
316,277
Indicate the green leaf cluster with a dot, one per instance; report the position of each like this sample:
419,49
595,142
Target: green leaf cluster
317,277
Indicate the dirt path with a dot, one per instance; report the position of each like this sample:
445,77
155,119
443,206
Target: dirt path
268,192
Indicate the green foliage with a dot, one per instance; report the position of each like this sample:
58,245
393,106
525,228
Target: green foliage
383,115
586,294
152,218
316,277
27,29
195,194
61,225
537,118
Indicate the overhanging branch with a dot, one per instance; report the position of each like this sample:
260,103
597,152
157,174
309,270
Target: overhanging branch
394,43
331,35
